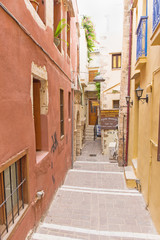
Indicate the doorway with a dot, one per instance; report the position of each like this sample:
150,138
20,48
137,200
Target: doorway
36,113
92,112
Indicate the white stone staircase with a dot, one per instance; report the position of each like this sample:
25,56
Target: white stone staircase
89,134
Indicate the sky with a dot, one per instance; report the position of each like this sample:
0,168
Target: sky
107,15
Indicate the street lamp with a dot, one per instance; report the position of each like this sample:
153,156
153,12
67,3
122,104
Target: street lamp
139,92
99,79
130,103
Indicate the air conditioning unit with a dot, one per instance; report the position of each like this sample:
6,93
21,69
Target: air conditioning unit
112,150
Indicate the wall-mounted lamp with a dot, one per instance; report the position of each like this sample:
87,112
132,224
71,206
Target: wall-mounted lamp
98,78
139,92
130,103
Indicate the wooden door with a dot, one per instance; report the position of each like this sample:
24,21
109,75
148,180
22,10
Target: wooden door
36,111
92,113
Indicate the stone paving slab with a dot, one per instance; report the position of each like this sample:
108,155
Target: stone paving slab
100,166
97,180
94,203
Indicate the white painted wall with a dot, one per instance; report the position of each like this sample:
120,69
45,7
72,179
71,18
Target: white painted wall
83,58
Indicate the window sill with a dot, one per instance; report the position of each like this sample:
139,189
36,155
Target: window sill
62,137
40,155
115,69
16,221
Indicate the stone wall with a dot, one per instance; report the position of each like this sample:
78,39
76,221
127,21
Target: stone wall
124,83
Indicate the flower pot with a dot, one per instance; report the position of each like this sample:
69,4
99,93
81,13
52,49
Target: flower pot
35,4
57,41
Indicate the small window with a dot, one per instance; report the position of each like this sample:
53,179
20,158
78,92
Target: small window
116,61
61,113
39,7
69,105
57,19
92,75
13,193
68,34
115,103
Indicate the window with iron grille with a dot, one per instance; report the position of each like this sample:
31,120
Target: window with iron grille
115,103
116,61
61,113
13,195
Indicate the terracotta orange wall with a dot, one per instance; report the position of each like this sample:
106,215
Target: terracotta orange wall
18,51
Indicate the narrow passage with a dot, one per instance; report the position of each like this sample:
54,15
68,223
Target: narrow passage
94,203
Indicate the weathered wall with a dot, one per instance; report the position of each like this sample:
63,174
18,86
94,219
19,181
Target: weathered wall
18,52
144,118
124,83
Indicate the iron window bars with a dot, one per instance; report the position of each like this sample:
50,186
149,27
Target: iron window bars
11,194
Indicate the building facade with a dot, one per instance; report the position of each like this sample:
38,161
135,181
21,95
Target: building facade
110,69
35,109
144,124
123,121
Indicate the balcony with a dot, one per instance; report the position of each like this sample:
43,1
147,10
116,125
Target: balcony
141,55
155,39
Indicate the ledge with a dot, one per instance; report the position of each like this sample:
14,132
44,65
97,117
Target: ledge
140,63
40,155
155,39
136,74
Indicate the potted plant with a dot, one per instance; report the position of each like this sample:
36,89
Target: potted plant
35,4
61,25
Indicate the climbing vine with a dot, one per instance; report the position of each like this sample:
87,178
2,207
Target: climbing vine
90,34
98,88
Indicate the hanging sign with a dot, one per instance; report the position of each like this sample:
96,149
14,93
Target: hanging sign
95,104
109,119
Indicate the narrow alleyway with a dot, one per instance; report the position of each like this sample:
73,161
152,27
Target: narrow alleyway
94,203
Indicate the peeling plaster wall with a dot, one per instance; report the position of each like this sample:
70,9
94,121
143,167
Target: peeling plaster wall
26,53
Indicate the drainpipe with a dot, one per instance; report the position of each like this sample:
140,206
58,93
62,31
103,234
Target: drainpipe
72,137
129,76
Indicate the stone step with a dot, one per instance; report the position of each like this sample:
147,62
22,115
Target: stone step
90,126
130,177
89,139
134,164
89,134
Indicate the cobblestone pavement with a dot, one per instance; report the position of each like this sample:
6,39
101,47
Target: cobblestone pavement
94,203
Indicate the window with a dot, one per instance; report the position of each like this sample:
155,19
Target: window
39,6
13,192
115,103
92,75
61,113
68,34
57,18
41,10
116,61
69,105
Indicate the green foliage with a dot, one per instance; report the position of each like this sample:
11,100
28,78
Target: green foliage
115,91
61,25
98,88
90,34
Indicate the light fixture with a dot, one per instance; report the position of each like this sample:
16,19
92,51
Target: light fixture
130,103
98,78
139,92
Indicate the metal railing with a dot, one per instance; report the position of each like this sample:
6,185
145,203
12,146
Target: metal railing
156,14
142,38
13,194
